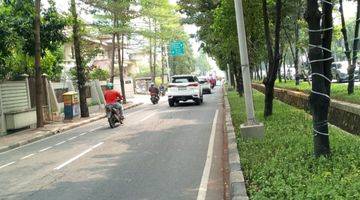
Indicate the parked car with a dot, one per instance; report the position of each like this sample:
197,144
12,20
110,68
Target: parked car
339,71
184,88
205,83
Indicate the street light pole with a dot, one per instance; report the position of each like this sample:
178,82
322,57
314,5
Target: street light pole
229,75
251,128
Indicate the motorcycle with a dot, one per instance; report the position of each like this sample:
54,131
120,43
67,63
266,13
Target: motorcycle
154,98
113,115
162,92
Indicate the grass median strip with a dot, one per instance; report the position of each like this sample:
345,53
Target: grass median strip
338,91
282,165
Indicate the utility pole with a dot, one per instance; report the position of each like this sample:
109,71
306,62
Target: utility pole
250,129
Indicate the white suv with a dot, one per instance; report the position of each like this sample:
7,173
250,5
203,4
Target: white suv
184,88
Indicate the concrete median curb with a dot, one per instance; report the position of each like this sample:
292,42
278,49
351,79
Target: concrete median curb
237,181
56,131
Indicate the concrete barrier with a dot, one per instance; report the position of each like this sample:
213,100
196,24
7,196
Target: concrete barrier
341,114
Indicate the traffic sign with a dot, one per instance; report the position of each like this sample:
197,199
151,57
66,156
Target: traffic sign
177,48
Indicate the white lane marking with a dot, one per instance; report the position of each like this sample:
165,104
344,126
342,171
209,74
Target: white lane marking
72,138
83,133
148,117
47,148
60,143
28,156
78,156
6,165
95,129
206,173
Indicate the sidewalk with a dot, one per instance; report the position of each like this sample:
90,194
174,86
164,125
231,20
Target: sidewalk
21,138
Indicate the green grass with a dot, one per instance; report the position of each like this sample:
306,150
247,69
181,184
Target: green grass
338,91
282,165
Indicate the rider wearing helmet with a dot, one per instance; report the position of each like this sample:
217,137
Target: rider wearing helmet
153,89
112,97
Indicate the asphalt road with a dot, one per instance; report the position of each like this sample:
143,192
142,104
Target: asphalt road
160,153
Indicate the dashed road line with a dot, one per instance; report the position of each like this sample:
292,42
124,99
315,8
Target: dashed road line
60,143
28,156
148,117
78,156
6,165
45,149
83,133
72,138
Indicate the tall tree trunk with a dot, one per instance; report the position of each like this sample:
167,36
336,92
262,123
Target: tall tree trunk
112,67
355,51
80,71
274,58
345,36
163,63
38,79
122,81
151,53
284,64
296,59
320,97
120,48
154,53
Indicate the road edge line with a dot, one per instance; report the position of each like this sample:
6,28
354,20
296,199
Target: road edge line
207,168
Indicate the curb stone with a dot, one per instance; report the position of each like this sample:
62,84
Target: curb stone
57,131
237,181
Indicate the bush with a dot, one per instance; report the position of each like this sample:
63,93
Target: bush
99,74
282,165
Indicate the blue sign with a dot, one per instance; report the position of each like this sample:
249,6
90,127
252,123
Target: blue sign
177,48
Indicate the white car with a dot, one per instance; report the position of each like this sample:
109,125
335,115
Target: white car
184,88
205,85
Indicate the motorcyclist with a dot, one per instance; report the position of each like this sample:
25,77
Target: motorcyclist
162,89
112,97
153,90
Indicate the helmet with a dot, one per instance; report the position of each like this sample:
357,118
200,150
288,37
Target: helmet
110,86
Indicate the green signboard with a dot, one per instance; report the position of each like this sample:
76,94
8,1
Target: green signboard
177,48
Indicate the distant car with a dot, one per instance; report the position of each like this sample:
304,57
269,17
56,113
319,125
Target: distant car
184,88
339,71
205,83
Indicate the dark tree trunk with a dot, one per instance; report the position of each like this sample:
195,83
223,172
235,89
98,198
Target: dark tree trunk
296,59
80,71
154,54
150,53
346,41
274,59
163,63
121,63
355,51
38,80
112,67
284,65
320,98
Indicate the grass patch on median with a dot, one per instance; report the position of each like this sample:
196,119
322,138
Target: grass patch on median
282,165
338,91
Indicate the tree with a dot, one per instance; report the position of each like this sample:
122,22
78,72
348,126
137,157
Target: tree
273,55
38,79
202,64
320,36
351,60
18,39
81,79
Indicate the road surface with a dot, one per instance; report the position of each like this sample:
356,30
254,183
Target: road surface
160,153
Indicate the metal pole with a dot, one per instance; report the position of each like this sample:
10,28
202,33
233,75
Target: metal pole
250,129
245,62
